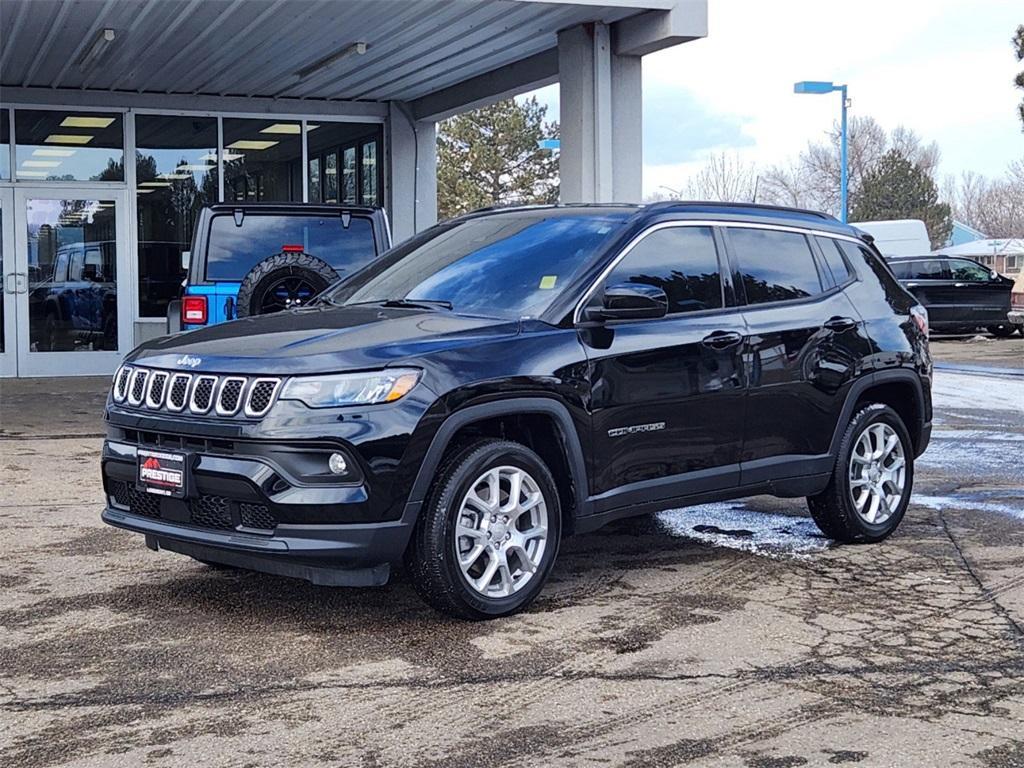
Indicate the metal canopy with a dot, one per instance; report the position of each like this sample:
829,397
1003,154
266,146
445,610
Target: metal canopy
257,48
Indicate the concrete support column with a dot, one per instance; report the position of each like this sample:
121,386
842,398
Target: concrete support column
411,172
601,155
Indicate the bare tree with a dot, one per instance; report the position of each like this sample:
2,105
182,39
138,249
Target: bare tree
813,181
724,178
992,206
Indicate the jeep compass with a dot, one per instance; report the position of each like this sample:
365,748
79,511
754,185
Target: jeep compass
513,376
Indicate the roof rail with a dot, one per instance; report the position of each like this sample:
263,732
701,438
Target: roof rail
669,204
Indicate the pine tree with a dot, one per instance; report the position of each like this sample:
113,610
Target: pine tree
896,188
490,156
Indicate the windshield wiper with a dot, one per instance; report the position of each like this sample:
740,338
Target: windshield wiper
418,303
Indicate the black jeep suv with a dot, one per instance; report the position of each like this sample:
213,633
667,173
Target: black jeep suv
513,376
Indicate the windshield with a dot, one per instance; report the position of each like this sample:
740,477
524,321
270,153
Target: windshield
234,249
506,265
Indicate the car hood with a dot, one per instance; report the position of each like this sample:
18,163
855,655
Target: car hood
320,340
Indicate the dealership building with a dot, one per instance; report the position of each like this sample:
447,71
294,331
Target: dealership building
121,119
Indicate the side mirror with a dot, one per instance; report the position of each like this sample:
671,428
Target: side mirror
186,257
630,301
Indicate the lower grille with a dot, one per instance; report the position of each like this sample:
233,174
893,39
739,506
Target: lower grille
211,512
206,511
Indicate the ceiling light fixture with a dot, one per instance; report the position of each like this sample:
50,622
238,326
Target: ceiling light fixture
82,121
40,163
33,174
174,175
357,49
292,128
253,145
47,152
103,39
67,138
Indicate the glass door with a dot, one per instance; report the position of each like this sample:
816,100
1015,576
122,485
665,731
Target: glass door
8,285
71,299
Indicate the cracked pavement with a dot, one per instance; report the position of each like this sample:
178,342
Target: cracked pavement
660,641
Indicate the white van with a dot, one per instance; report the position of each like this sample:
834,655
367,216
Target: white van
898,237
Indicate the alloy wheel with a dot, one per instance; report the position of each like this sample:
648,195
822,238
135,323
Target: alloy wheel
501,531
878,473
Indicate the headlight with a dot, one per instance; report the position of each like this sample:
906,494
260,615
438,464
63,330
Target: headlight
331,391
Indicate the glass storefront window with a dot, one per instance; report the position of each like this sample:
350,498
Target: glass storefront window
262,160
57,145
331,177
72,275
348,176
369,173
314,180
5,145
176,175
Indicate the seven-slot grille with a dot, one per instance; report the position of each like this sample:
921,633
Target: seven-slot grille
195,393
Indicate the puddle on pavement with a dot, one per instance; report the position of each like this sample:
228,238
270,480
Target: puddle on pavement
737,526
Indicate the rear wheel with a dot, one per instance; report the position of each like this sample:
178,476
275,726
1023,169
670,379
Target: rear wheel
870,487
1001,331
488,535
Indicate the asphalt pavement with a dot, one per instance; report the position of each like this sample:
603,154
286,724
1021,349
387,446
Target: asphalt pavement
726,635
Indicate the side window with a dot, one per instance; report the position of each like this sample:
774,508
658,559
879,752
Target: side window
775,266
682,261
901,269
834,260
928,269
963,269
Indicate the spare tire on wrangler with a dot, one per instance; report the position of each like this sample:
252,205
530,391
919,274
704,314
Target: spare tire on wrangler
283,281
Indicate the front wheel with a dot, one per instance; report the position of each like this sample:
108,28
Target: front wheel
1001,331
869,491
489,532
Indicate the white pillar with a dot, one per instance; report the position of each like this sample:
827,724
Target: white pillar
411,172
601,155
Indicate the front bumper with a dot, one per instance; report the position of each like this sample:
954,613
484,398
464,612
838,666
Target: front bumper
1016,317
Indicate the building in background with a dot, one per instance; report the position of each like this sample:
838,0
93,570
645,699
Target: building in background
120,120
1004,255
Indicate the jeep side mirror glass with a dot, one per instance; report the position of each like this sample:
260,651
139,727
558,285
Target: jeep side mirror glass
631,301
186,257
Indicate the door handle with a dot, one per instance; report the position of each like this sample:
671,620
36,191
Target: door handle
840,324
959,285
7,282
21,282
721,339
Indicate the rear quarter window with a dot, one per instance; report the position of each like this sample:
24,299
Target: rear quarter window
233,250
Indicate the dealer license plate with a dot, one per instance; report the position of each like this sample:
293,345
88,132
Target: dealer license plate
162,473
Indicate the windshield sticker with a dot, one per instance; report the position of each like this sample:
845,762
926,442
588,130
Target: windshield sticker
548,282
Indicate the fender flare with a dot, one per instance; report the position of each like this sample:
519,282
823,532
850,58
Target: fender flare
519,405
886,376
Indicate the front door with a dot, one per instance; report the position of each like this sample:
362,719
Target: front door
667,394
65,280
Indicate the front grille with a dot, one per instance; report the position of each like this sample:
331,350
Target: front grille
196,393
177,397
202,394
256,516
155,395
142,503
138,386
211,512
230,396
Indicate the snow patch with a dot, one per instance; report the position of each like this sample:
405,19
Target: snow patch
959,391
735,526
974,505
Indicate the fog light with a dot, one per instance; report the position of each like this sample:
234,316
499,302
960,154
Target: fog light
337,464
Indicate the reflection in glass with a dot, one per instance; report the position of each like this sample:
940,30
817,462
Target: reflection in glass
348,170
176,174
331,177
5,144
776,266
314,180
56,145
3,277
262,160
369,173
72,274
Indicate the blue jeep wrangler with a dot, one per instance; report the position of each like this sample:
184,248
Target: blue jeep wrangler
255,258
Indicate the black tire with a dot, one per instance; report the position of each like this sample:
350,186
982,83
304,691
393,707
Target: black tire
834,510
273,271
431,557
1002,331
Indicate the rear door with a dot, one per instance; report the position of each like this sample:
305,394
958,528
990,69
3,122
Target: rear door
667,394
982,298
932,285
801,352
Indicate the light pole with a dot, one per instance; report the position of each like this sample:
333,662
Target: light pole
817,86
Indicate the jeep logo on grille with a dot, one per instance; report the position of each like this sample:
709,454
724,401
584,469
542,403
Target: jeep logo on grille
189,361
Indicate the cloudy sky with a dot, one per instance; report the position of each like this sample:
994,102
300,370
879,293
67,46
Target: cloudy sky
942,67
